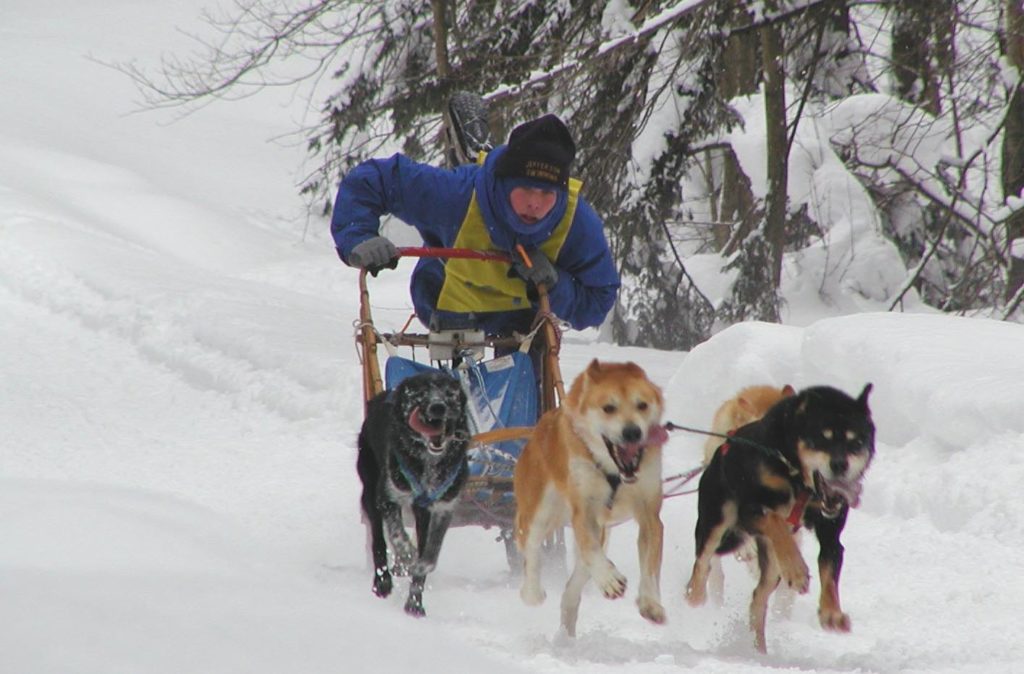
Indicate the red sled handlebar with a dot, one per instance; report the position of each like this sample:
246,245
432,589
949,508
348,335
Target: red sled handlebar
554,389
447,253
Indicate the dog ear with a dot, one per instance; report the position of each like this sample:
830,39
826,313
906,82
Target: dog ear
787,391
592,371
579,385
862,399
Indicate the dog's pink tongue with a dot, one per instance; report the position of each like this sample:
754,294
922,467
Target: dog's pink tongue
416,424
853,494
657,436
849,491
628,452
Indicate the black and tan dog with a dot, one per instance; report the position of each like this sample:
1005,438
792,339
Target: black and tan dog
800,465
412,452
750,404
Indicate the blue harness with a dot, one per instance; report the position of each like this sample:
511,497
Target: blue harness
421,497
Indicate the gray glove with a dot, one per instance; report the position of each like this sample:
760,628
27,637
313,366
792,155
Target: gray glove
374,254
542,272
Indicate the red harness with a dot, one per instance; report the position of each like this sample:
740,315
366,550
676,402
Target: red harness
724,447
796,515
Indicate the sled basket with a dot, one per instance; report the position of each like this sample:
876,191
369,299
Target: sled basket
501,394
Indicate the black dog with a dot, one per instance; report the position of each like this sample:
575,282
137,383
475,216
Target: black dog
412,451
800,465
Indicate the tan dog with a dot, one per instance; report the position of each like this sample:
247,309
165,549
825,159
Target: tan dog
750,404
594,462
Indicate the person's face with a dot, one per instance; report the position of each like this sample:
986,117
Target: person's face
531,204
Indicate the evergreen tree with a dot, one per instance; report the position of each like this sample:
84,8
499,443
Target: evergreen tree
650,89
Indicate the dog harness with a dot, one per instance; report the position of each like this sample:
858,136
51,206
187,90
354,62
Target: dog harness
723,449
420,496
613,481
796,514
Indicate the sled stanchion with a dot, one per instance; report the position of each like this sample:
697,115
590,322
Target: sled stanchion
373,383
554,387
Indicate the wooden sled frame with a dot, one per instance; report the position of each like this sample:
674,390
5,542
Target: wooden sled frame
368,338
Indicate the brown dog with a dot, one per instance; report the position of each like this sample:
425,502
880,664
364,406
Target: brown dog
595,461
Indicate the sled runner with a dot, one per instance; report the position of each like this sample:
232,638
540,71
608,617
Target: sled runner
506,395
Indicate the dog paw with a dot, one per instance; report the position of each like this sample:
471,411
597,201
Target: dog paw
652,610
611,583
696,593
382,584
414,607
532,595
797,576
834,620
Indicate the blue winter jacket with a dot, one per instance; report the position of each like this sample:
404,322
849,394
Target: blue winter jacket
435,201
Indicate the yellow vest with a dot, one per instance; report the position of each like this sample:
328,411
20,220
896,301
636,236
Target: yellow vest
480,286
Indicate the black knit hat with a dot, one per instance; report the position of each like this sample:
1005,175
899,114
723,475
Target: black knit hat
541,149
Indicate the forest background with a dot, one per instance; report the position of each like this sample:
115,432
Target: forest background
893,132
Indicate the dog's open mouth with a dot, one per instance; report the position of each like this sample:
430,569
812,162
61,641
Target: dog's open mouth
432,429
627,456
836,493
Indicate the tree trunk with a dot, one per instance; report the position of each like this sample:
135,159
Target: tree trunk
440,38
921,49
737,205
443,66
776,147
1013,145
739,71
738,75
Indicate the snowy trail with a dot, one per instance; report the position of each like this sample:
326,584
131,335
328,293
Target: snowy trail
230,394
191,427
106,410
133,373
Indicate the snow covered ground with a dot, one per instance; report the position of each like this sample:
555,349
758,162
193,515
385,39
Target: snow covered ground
179,401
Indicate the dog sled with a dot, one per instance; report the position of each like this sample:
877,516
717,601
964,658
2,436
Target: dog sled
505,393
